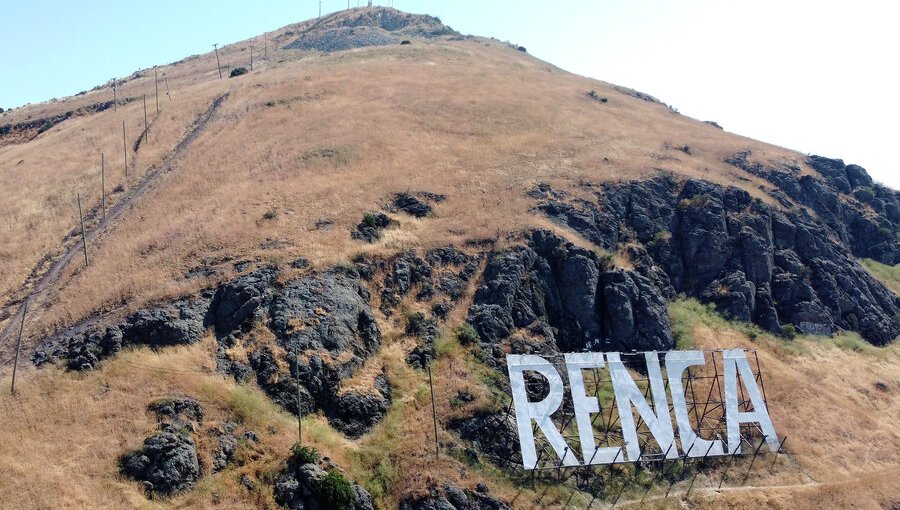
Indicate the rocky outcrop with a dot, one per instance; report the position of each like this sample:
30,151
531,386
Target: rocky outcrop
452,497
568,296
179,323
493,434
369,229
167,463
310,485
863,215
755,262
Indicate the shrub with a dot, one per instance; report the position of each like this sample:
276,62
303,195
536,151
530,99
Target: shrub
662,236
522,49
370,220
304,454
237,71
271,214
404,42
788,331
335,492
466,334
699,200
415,323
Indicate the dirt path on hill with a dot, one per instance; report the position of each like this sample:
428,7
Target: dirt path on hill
42,282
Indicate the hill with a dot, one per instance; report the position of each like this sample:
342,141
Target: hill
362,215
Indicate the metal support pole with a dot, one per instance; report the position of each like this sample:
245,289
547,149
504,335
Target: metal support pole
83,235
146,125
755,452
433,414
103,184
725,473
156,85
299,412
218,65
694,478
125,149
115,97
777,452
12,388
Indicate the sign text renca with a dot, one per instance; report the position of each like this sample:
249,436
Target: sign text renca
738,377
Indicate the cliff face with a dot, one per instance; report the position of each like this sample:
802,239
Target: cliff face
757,263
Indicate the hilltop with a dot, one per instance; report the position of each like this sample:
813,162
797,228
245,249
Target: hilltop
381,200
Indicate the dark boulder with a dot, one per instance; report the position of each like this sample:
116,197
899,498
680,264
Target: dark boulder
238,303
369,229
167,463
454,498
299,487
411,205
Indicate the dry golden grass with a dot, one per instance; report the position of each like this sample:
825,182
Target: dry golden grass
331,137
392,119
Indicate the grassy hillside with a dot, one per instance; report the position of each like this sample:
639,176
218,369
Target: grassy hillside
289,162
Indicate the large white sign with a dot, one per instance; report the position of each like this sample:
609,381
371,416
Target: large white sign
628,397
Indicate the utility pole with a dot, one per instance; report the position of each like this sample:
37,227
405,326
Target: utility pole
320,8
103,184
437,449
12,388
83,236
156,83
218,65
125,149
146,126
299,412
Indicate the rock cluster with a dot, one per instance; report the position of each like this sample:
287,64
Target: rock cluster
167,462
862,214
368,27
569,299
452,497
300,487
755,262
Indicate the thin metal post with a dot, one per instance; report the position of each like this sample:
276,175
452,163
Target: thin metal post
730,462
146,126
218,65
12,388
166,81
156,84
747,475
777,452
115,97
83,236
125,149
103,184
299,412
433,414
251,57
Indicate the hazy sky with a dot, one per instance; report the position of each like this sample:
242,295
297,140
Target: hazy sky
818,76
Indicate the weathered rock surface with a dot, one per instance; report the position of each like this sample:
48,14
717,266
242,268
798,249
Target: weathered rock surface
179,323
755,262
863,215
298,488
569,296
167,463
452,497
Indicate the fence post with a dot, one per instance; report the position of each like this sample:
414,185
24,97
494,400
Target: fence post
12,388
